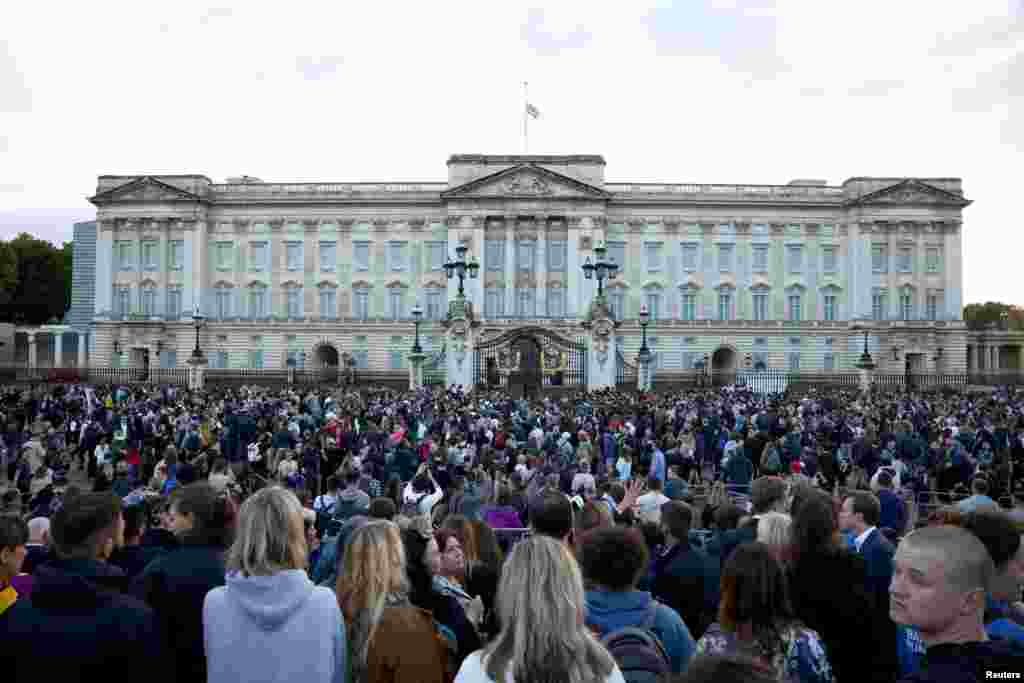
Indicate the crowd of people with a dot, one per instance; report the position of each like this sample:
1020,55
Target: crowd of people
709,535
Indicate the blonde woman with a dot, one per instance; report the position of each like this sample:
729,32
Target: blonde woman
390,639
269,623
543,637
773,531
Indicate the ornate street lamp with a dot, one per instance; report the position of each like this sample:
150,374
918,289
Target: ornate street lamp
866,361
417,315
602,269
197,322
462,267
645,320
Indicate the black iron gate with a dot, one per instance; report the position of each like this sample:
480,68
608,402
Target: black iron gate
625,372
531,358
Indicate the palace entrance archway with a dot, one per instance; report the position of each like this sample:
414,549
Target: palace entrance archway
723,366
530,360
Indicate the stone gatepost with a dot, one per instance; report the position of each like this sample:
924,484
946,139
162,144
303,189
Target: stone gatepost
416,370
196,372
460,340
601,346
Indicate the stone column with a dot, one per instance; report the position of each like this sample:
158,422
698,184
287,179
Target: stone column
32,350
459,356
416,370
83,342
511,309
601,352
58,350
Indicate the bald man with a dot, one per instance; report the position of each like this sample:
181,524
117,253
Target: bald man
940,579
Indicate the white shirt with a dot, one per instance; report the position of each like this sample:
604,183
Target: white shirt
859,541
472,671
649,505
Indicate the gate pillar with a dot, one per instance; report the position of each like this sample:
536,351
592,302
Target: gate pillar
602,356
460,343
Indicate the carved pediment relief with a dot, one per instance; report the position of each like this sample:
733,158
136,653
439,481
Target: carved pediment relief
145,189
911,192
526,181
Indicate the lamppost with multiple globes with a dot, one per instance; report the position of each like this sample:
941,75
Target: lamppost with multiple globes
462,267
645,352
197,322
602,269
417,316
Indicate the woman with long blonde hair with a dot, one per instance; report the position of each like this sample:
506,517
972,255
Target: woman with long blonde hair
390,639
543,638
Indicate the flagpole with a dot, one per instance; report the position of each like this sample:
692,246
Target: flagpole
526,121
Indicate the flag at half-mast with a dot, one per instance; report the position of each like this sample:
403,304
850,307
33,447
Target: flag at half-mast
532,111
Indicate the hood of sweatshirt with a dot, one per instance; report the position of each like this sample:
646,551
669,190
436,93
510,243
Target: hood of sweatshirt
270,600
611,610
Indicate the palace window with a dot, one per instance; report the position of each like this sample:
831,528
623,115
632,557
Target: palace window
149,255
396,308
222,294
494,302
435,306
795,308
725,305
293,301
933,305
260,256
148,300
328,256
689,257
904,260
760,259
398,257
795,256
653,254
830,307
174,302
124,256
828,259
258,301
435,255
617,253
879,304
524,255
557,256
725,258
617,302
556,303
328,302
293,255
361,255
906,305
177,249
932,259
688,310
494,255
879,258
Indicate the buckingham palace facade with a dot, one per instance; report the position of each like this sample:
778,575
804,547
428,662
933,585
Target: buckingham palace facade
784,276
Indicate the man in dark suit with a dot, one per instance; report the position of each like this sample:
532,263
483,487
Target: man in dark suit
860,514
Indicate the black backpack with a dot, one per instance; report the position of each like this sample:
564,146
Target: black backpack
638,651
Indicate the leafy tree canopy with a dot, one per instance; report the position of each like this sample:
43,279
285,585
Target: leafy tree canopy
982,316
35,280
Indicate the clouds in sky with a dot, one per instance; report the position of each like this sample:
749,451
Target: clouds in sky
684,91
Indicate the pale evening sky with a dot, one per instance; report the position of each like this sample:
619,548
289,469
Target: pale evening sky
716,91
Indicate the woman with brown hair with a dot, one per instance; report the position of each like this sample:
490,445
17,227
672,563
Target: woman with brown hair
849,621
755,618
390,639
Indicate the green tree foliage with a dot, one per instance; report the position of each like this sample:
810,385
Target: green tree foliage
981,316
35,280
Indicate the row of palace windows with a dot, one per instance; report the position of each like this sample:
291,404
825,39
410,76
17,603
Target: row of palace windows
398,256
229,302
798,258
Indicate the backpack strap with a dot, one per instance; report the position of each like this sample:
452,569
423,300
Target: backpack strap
650,616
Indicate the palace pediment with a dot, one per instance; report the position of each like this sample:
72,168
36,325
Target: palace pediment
526,181
145,189
912,192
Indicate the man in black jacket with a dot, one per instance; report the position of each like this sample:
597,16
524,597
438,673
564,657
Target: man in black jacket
942,575
78,625
681,576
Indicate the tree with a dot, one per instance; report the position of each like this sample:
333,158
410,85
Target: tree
981,316
42,288
8,274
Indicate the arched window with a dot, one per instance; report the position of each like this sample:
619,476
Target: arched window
794,303
293,300
907,303
830,303
396,301
726,303
147,298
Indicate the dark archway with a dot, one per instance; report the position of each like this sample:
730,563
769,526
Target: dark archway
327,356
723,360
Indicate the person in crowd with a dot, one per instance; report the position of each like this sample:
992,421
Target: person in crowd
860,515
390,639
552,516
613,560
756,618
424,562
503,514
541,609
849,620
269,623
382,508
773,530
13,540
221,475
38,548
649,504
1001,536
682,576
767,494
79,624
979,497
133,556
422,493
332,552
941,577
176,583
893,513
724,669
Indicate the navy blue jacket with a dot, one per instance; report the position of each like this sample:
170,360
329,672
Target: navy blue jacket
877,552
79,626
686,579
894,512
175,585
968,662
